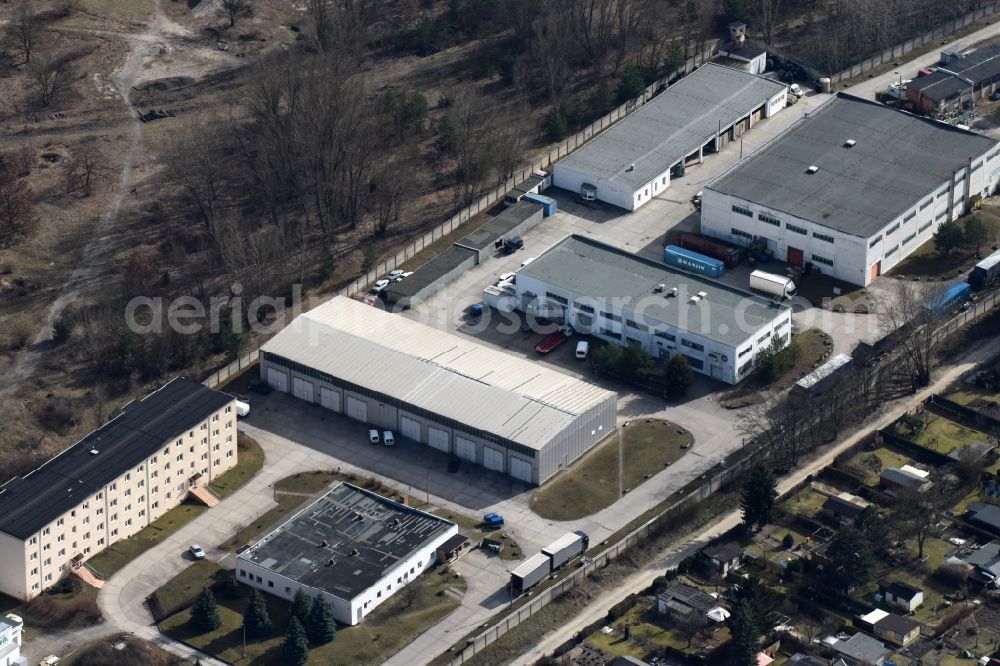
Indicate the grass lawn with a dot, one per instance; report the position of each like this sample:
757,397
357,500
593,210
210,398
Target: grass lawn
69,604
136,651
389,627
249,460
942,435
871,463
648,626
975,397
592,483
110,560
180,591
812,345
807,502
474,529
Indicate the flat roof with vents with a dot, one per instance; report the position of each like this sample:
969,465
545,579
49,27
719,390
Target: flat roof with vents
454,377
365,535
605,273
897,160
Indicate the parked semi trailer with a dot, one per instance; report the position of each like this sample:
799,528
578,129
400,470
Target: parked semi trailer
693,262
728,254
986,273
770,283
529,573
565,548
956,294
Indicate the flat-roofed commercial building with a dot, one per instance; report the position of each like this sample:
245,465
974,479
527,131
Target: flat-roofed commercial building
623,298
852,188
112,483
631,162
485,406
352,546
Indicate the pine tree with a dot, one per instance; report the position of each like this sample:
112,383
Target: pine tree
205,613
300,607
255,617
743,645
320,628
296,647
760,494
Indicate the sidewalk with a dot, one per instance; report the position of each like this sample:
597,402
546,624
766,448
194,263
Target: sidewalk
643,578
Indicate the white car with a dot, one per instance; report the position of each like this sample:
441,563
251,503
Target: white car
396,275
242,408
795,90
380,286
506,277
402,276
197,552
373,436
388,439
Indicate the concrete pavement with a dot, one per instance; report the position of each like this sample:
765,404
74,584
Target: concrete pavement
671,557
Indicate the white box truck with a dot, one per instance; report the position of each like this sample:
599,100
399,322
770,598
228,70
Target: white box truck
770,283
565,548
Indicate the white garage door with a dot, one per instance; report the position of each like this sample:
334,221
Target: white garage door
520,469
357,409
438,439
302,389
329,398
465,448
409,427
492,459
277,380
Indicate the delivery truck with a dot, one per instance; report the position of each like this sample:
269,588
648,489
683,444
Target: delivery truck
772,284
693,262
529,573
730,255
565,548
956,294
986,273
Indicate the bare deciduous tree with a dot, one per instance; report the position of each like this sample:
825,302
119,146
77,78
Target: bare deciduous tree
912,326
23,29
196,159
17,202
234,9
50,76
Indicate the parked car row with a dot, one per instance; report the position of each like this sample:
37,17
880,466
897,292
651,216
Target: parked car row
393,276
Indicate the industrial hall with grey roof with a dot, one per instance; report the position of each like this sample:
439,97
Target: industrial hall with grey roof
449,392
631,162
851,188
351,545
620,297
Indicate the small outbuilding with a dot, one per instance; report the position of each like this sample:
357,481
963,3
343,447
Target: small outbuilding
902,596
724,557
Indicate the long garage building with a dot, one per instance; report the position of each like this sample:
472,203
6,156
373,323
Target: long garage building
482,405
631,162
852,188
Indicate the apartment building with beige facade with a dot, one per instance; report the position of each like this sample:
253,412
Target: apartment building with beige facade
112,483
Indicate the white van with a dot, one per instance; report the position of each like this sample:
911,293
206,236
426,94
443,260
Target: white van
582,347
242,408
388,439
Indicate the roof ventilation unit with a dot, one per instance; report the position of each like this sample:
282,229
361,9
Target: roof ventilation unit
849,143
694,299
673,292
94,452
812,169
631,167
658,288
702,294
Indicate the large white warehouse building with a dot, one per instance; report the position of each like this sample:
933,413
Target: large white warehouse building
485,406
631,162
623,298
852,188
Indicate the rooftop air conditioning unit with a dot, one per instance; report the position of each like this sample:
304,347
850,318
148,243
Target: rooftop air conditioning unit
658,288
631,167
812,169
702,294
694,299
94,452
849,143
673,292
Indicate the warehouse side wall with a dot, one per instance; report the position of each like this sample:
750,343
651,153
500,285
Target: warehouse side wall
586,431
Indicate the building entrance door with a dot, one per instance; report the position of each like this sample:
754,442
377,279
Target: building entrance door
796,257
876,269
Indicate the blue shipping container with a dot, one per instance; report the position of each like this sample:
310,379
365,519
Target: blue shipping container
957,294
693,262
548,204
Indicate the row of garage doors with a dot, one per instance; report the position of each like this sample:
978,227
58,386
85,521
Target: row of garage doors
437,438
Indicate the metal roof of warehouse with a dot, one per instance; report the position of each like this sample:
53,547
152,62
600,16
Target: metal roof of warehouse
672,125
898,159
327,546
445,374
605,273
29,503
431,272
499,226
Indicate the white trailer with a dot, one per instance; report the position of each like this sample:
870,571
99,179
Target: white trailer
770,283
565,548
530,573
